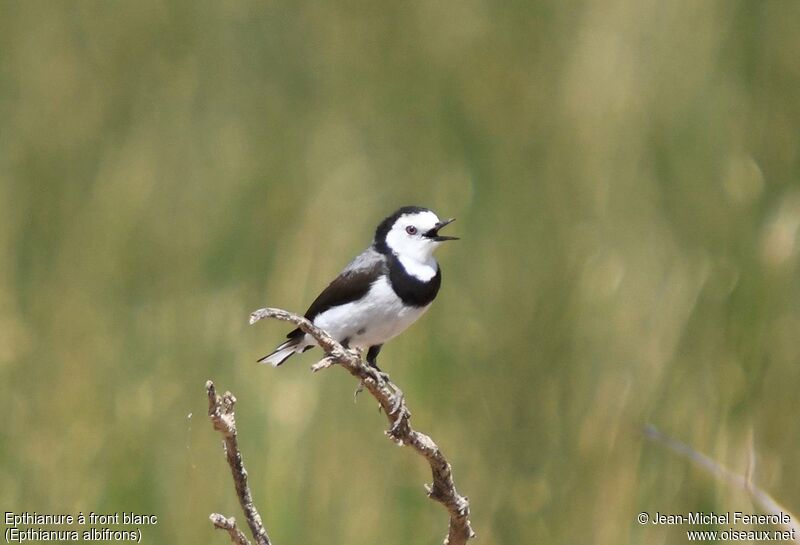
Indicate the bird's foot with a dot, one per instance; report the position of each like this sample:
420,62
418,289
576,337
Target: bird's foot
377,375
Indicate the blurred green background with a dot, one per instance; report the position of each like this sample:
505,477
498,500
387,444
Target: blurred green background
625,178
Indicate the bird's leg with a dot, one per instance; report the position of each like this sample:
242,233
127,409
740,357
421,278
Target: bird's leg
372,360
397,409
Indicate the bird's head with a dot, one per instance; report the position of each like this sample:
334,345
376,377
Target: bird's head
411,232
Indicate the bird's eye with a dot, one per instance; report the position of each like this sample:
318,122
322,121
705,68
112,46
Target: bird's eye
411,230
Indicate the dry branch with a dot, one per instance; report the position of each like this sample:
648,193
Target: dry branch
220,411
759,497
222,522
390,398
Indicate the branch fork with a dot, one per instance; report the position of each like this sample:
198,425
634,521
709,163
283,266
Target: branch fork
220,411
391,401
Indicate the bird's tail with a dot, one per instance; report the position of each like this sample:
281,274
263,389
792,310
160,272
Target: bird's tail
282,353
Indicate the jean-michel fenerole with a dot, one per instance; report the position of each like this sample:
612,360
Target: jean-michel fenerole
736,517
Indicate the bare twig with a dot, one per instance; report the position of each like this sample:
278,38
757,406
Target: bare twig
220,411
390,398
229,524
760,498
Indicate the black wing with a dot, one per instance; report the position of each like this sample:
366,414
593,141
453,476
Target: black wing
351,285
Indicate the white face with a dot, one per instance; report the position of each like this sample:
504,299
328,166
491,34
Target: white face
406,237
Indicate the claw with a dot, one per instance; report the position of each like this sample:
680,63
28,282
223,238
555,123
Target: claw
358,391
378,376
376,372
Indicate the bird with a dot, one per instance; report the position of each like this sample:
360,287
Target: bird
381,292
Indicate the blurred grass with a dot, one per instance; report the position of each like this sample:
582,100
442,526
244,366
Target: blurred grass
625,176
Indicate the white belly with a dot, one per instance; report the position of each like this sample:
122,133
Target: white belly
374,319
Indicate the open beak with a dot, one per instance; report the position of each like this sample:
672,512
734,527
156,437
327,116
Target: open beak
433,234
